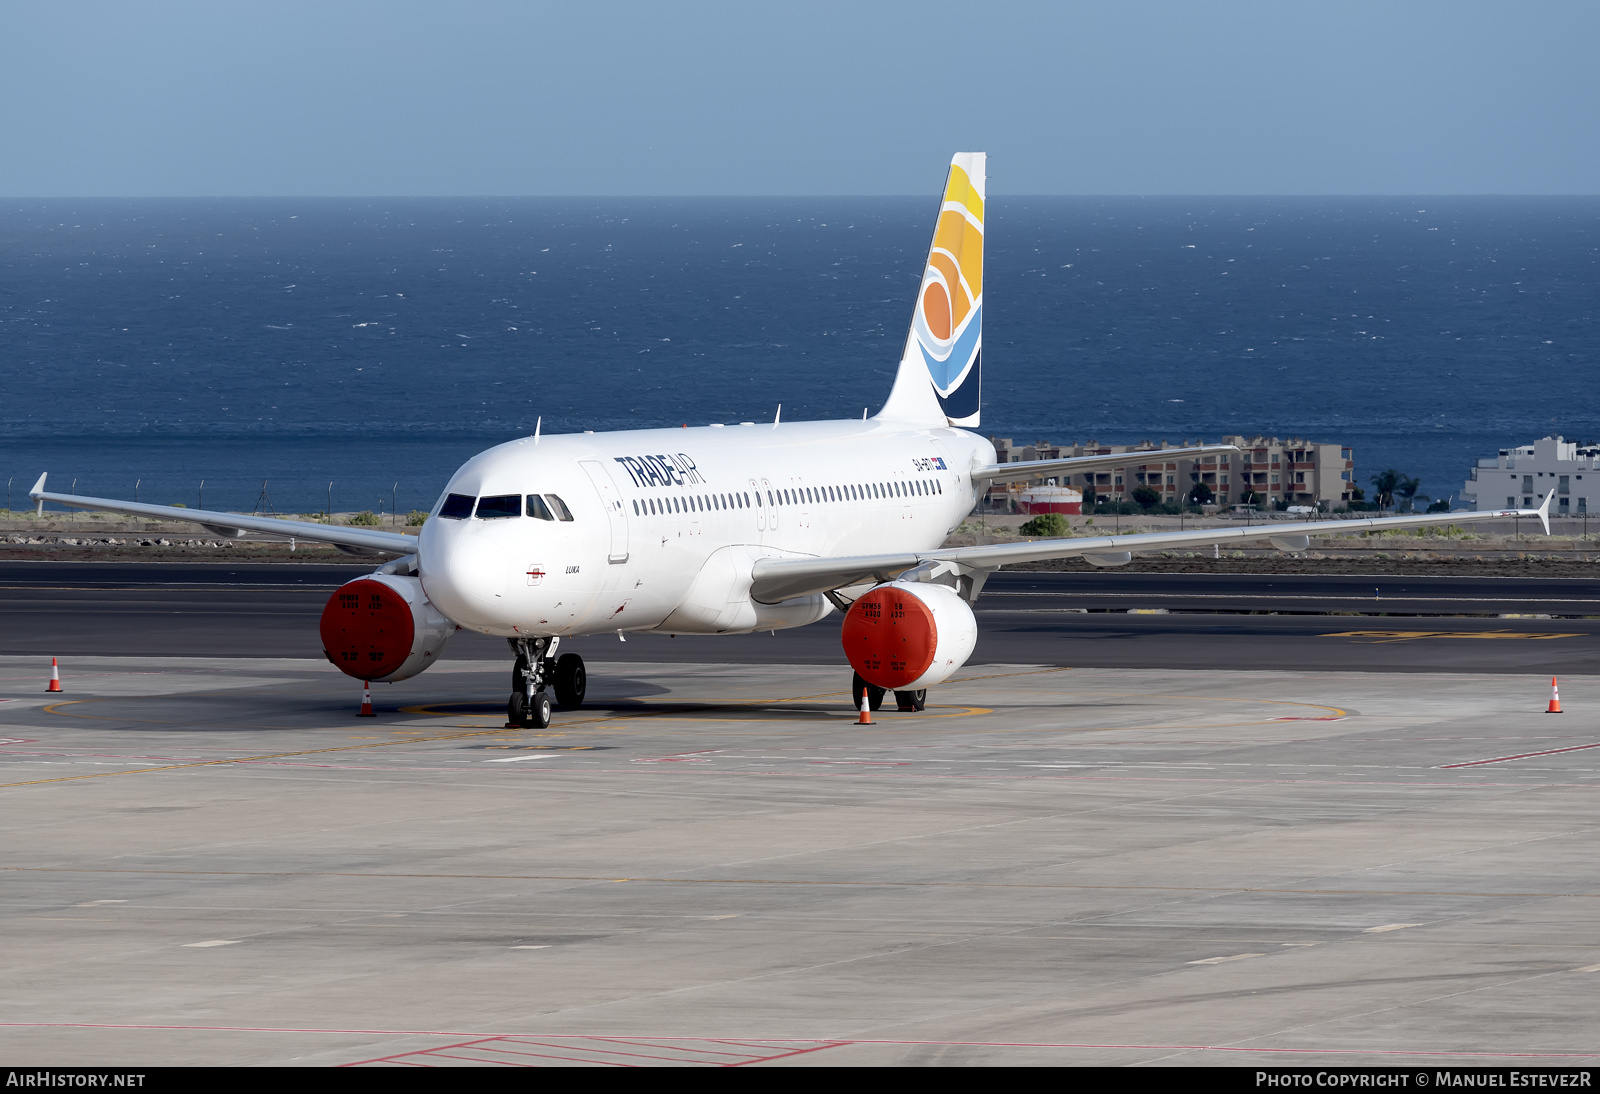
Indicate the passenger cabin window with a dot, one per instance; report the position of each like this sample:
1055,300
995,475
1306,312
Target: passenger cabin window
457,507
538,509
558,507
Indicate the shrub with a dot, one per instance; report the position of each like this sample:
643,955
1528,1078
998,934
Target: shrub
416,517
1146,497
1047,524
366,517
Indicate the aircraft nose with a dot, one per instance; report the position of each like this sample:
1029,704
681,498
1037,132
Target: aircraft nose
463,572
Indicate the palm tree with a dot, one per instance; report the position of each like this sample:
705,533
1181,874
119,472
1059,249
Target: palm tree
1390,484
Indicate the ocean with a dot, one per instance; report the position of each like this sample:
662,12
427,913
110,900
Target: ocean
355,352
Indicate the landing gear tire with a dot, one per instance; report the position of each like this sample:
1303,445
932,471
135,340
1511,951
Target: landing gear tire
874,693
539,714
534,715
571,680
911,700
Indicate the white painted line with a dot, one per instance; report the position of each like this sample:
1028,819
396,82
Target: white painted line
213,942
1221,960
519,759
1390,927
1588,968
544,947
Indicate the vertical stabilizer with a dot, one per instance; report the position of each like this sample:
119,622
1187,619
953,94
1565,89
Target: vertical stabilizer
939,377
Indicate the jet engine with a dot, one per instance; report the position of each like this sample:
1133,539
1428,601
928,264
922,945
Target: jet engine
908,635
381,627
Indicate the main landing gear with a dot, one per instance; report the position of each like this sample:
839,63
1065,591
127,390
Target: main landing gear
537,669
903,700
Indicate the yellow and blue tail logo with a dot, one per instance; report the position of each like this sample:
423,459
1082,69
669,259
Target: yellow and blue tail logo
947,327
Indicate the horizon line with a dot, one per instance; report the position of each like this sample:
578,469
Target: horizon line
1396,195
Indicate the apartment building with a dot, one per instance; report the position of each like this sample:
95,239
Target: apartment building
1521,477
1295,471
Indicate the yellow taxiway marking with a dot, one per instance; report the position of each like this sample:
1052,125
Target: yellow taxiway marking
498,732
1380,637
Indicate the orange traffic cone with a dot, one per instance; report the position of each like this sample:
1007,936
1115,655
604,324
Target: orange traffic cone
1555,699
866,710
55,676
366,701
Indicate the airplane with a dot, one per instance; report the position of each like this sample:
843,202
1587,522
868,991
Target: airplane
733,528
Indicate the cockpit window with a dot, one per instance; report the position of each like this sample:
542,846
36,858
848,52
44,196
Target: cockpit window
559,507
500,505
456,507
537,508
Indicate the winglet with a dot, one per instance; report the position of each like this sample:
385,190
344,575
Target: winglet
1544,512
38,488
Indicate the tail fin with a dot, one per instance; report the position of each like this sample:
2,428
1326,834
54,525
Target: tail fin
938,381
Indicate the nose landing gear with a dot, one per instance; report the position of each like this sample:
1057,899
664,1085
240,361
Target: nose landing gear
535,669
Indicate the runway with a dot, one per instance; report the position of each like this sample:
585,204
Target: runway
1063,619
213,861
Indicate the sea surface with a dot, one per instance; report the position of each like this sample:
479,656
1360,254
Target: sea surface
355,352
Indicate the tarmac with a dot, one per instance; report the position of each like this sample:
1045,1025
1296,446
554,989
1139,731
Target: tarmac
1515,626
212,860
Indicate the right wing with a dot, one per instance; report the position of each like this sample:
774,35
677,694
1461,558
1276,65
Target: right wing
233,525
1077,465
781,578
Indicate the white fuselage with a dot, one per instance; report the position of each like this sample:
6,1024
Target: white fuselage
667,523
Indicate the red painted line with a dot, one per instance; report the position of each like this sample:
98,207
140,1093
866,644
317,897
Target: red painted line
507,1063
668,1048
596,1051
1520,756
398,1055
799,1041
796,1052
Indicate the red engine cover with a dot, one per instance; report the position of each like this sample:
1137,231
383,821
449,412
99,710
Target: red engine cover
367,629
889,637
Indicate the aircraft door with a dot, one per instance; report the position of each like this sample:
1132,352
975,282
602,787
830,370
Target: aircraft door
771,504
760,506
611,498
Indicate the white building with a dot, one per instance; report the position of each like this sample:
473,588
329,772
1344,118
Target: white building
1521,477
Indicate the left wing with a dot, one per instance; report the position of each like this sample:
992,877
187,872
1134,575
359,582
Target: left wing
781,578
233,525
